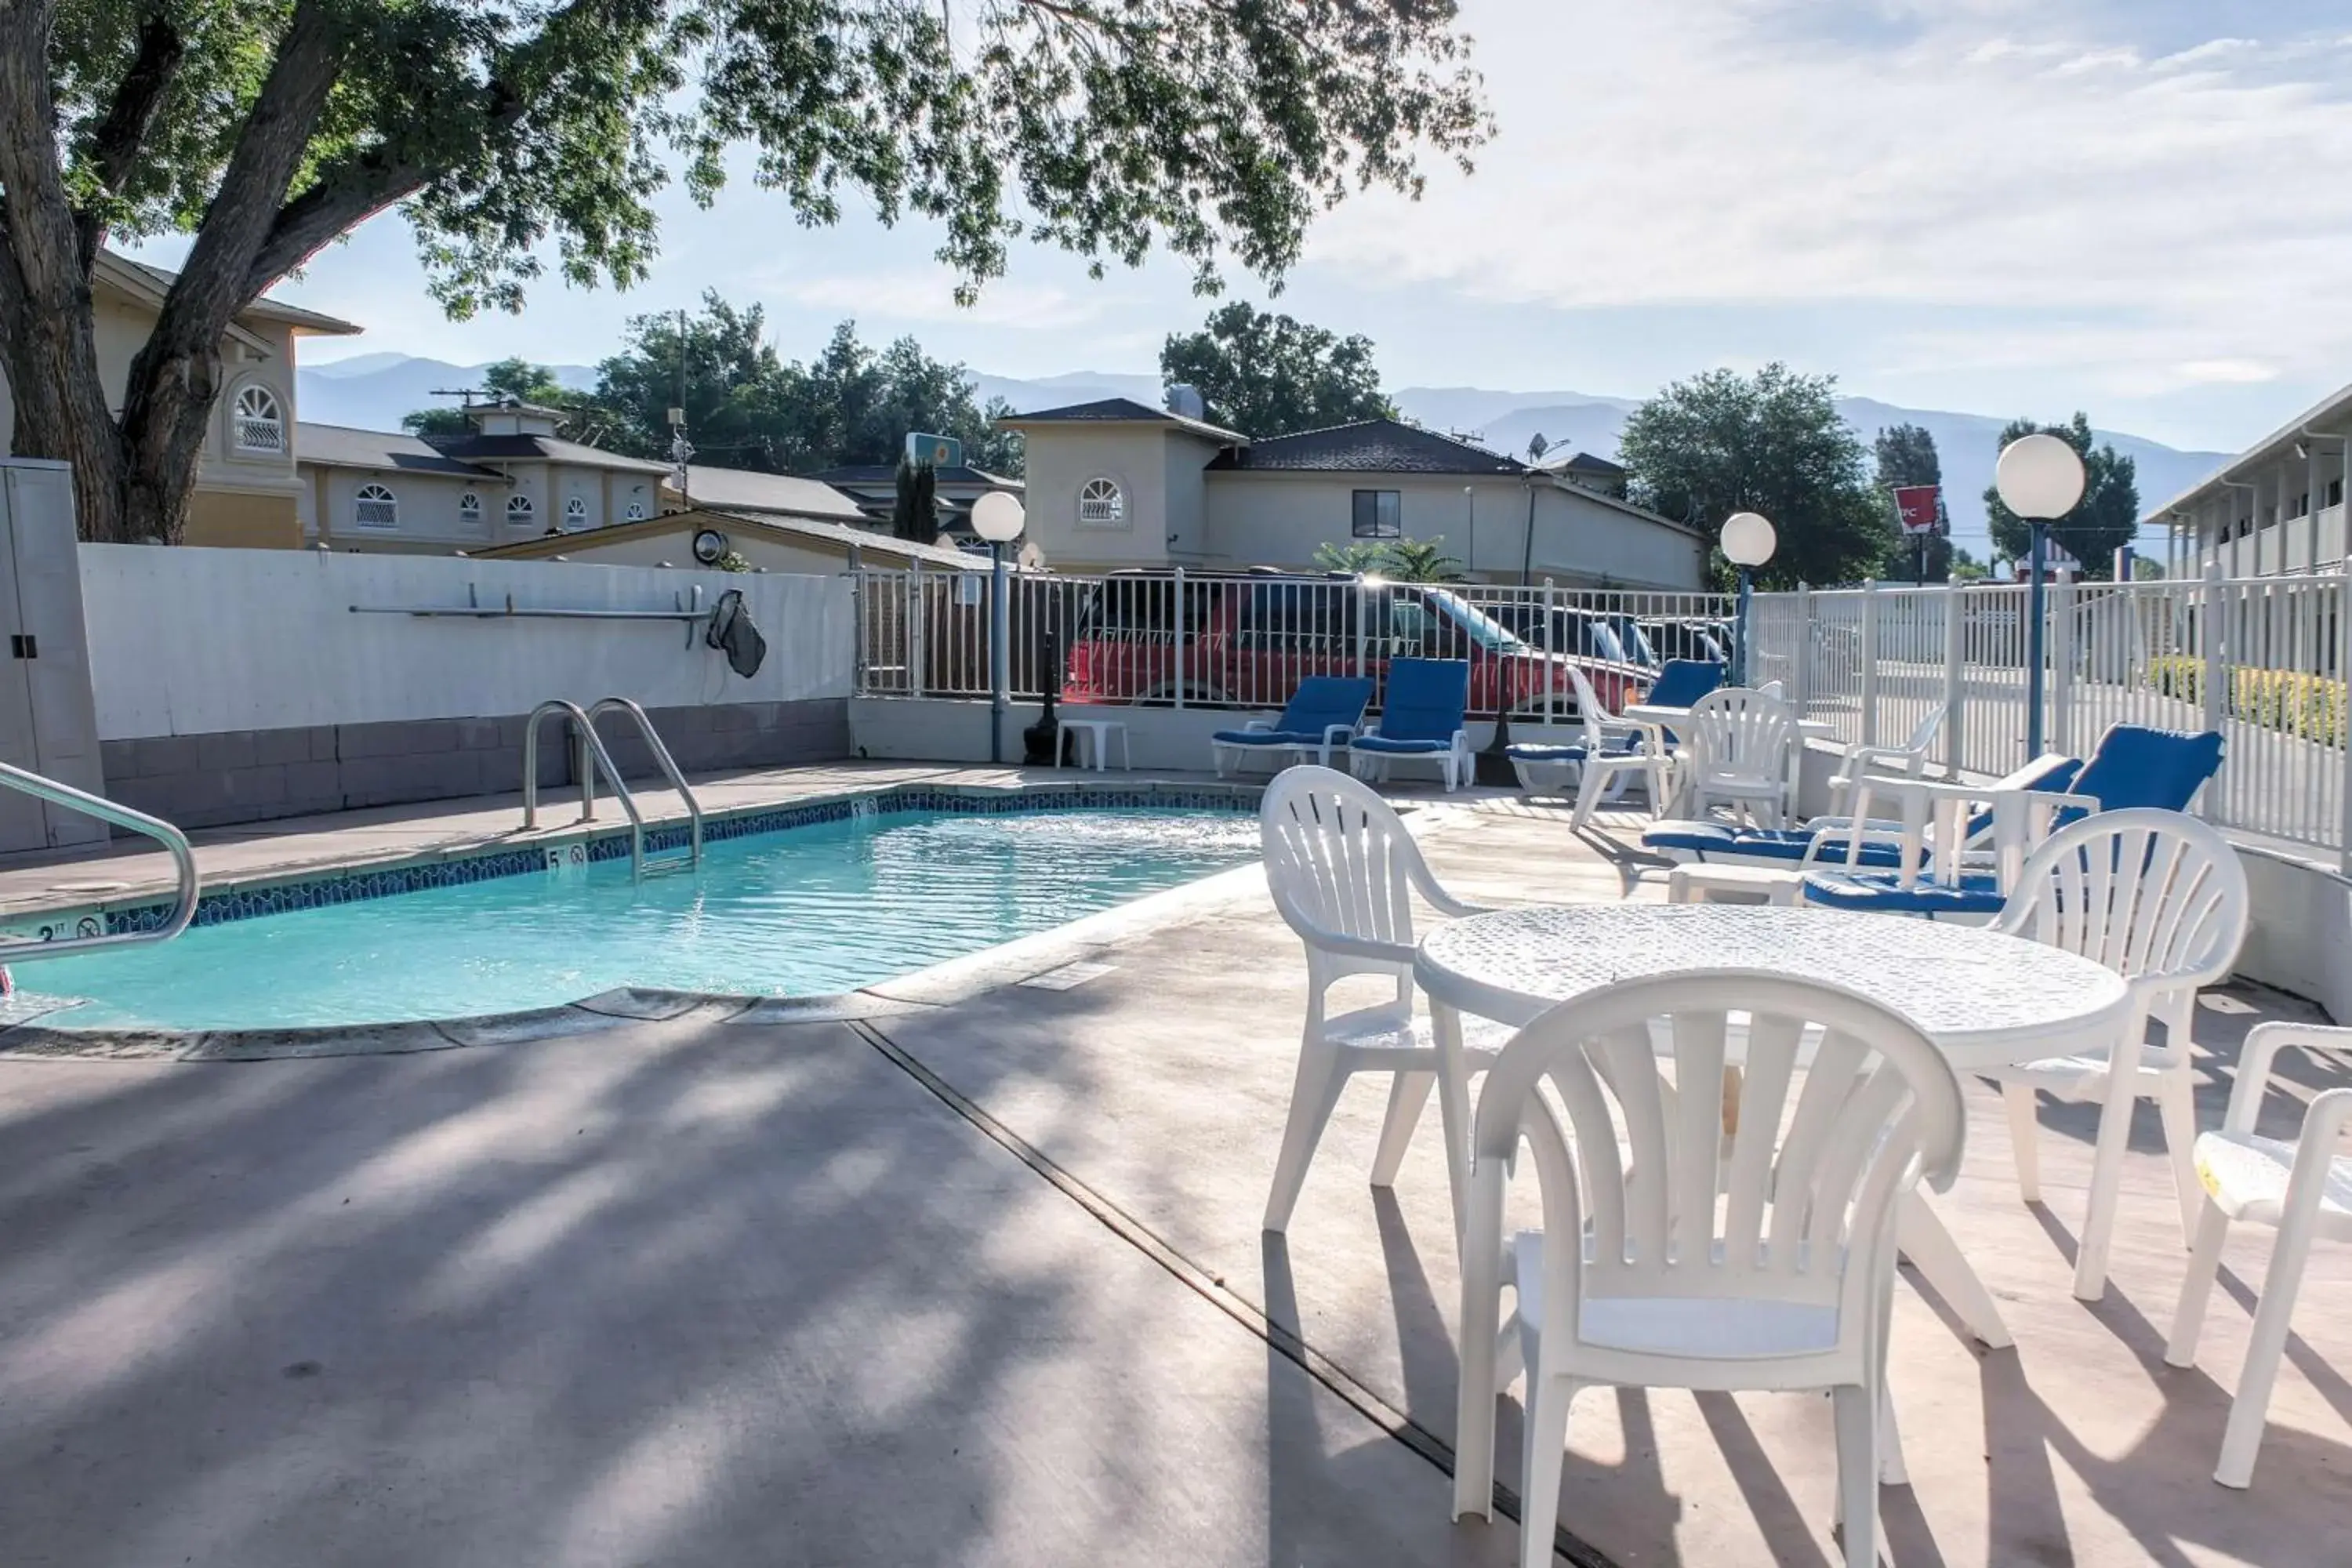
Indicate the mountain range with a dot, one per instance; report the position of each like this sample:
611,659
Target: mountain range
372,391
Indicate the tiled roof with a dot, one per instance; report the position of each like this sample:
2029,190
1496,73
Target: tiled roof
341,446
887,474
1370,446
542,450
1121,411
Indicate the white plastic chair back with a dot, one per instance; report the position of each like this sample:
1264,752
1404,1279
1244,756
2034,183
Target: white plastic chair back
1735,733
2157,896
1843,1106
1591,711
1341,867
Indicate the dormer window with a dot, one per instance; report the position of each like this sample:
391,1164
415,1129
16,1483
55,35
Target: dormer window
258,424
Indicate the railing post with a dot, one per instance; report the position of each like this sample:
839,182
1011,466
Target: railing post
916,641
1176,621
1800,677
1869,730
2213,683
2062,664
1955,675
2343,709
1551,633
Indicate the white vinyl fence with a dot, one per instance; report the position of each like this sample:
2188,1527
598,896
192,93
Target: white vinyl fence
1228,640
2263,660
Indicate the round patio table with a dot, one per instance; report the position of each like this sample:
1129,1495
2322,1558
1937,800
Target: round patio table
1986,999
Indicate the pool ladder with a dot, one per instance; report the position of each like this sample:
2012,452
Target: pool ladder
189,887
591,756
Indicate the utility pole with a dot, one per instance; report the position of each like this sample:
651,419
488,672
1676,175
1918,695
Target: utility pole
680,448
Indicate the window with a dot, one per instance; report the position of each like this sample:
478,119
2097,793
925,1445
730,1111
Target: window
575,515
258,424
375,507
2335,493
1100,504
636,509
518,512
469,509
1380,514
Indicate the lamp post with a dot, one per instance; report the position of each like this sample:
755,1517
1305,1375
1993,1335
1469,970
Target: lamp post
998,518
2040,478
1747,543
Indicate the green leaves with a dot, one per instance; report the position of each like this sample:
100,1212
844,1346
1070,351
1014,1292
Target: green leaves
1771,443
2105,520
1399,560
1264,374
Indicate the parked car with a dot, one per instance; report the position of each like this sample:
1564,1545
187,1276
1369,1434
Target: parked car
1697,639
1250,638
1587,634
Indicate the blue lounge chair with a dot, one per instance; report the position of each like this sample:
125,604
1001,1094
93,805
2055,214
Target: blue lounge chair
1422,717
1322,715
2133,766
1684,681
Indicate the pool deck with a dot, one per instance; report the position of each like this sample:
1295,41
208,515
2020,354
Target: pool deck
977,1278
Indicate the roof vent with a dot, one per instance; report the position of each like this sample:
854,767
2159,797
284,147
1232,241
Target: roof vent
1185,402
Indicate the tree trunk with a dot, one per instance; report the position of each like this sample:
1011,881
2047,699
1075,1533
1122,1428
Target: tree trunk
46,342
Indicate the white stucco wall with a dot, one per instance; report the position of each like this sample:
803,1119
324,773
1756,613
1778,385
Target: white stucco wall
1270,517
428,509
188,642
1062,459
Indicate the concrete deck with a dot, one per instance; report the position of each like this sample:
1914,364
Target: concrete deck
982,1283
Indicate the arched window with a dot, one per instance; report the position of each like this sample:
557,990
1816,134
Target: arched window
469,509
258,424
575,515
376,507
519,514
1100,504
636,509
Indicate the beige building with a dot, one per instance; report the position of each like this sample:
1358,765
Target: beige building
248,489
1117,484
769,541
2275,509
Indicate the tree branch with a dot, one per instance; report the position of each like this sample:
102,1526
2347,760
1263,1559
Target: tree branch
114,147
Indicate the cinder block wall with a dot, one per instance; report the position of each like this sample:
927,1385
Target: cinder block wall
253,775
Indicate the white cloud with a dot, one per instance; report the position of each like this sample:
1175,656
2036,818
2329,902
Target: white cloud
2174,213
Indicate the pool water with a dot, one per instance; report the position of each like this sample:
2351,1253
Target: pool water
807,911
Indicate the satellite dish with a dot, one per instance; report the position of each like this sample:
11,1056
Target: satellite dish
1031,558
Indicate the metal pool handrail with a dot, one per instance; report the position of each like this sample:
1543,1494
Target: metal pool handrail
597,757
183,860
662,759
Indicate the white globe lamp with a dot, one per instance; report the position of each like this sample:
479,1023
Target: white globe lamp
1748,541
998,518
2039,477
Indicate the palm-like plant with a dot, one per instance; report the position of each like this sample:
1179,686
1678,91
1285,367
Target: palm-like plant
1360,560
1421,561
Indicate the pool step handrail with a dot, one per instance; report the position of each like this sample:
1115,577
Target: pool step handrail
593,756
184,860
662,759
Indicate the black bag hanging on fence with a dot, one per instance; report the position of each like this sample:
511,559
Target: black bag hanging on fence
731,631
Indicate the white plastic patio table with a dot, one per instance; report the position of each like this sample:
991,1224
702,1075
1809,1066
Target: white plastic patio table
1984,998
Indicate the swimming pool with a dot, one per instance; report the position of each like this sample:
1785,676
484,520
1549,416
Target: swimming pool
810,910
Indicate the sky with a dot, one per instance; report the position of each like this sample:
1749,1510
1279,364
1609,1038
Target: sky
2141,208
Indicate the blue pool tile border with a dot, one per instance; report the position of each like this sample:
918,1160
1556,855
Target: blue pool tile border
357,886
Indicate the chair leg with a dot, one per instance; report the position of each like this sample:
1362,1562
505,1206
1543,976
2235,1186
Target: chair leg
2024,1127
1855,1410
1407,1097
1588,795
2250,1410
2107,1184
1546,1445
2175,1099
2197,1289
1314,1094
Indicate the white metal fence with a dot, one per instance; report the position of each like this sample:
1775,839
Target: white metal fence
2263,660
1246,641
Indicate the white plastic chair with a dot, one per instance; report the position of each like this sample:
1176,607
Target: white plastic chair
1343,870
2160,899
1739,747
1674,1255
1604,773
1908,760
2301,1186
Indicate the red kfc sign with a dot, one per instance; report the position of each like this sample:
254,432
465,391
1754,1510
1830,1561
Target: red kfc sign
1918,508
